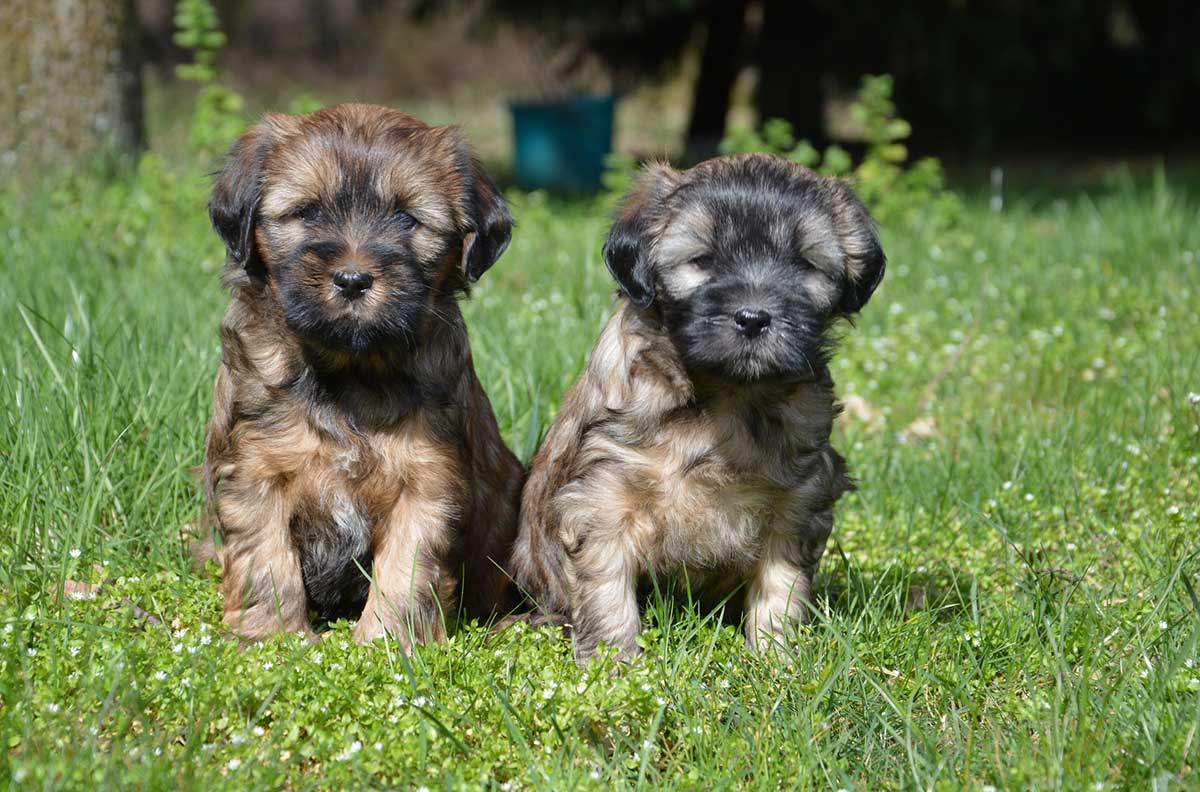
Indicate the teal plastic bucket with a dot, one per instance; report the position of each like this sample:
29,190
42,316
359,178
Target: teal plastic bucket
562,144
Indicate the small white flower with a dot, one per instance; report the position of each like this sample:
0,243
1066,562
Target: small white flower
548,693
160,675
234,763
205,640
76,552
31,652
185,682
660,701
177,647
74,651
594,775
1006,486
267,665
237,738
52,707
419,701
378,746
724,684
987,788
1029,497
258,731
1193,398
1162,625
1189,663
316,657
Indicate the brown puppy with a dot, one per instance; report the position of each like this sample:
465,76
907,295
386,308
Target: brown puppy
696,443
349,434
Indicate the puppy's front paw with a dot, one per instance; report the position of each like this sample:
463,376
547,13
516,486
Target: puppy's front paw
624,653
405,629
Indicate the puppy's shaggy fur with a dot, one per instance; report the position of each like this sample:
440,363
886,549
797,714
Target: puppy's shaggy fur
349,434
696,443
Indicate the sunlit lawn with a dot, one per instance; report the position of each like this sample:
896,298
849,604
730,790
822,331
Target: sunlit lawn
1010,600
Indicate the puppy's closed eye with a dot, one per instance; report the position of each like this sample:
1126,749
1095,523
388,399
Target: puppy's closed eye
309,212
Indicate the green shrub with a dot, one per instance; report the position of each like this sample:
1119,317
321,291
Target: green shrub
219,115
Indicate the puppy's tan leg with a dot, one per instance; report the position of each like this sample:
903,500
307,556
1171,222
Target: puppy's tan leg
603,597
262,582
405,597
781,587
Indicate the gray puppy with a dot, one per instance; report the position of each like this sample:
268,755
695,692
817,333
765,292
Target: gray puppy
696,443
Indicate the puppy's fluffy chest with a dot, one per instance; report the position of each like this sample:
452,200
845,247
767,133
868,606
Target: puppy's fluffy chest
707,487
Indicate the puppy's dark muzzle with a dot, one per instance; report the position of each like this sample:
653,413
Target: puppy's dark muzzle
751,321
352,282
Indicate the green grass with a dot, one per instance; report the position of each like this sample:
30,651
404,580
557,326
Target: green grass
1010,600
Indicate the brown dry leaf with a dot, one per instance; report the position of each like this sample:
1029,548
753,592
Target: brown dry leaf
923,428
77,590
860,409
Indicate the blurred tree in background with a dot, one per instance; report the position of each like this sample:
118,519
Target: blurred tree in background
971,74
975,77
71,81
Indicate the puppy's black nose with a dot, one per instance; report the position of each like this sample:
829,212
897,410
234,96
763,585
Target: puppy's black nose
352,282
751,321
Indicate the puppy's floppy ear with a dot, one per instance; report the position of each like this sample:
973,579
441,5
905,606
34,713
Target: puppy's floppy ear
236,194
491,222
864,256
627,249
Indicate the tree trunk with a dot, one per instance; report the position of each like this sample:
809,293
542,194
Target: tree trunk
725,23
72,81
